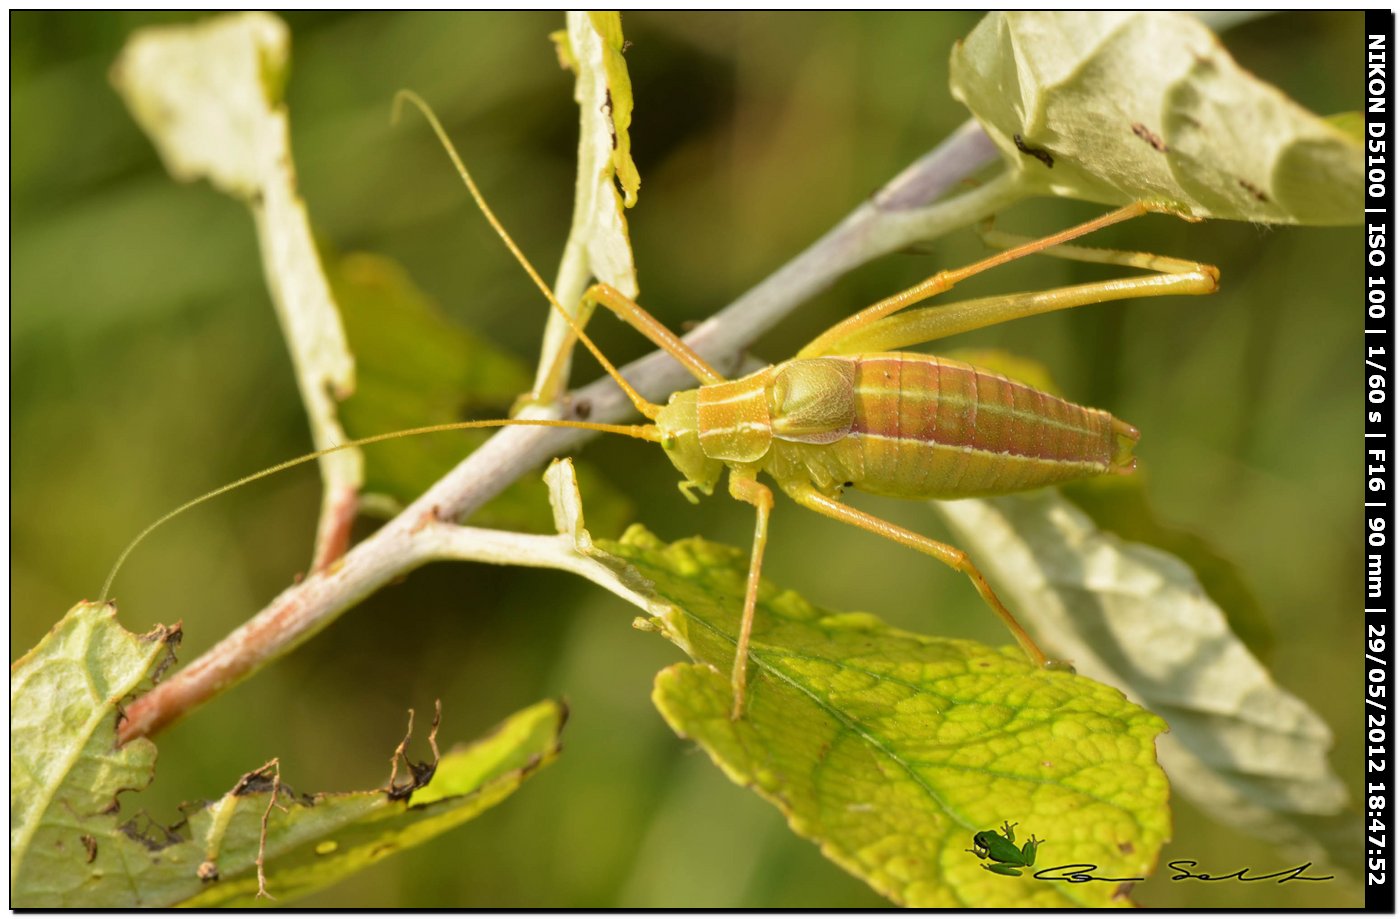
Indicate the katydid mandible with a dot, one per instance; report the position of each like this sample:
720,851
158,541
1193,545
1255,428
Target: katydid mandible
850,412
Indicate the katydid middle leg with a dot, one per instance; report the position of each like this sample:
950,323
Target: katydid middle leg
951,556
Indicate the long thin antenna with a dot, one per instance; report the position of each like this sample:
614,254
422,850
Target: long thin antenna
649,409
639,431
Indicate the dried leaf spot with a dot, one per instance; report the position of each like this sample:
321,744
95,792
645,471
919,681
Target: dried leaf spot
259,781
1254,191
607,110
1153,140
90,847
1038,152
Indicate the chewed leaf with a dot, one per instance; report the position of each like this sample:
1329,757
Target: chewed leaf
598,245
890,749
1248,751
604,95
70,847
206,96
317,841
65,766
619,101
210,98
1119,107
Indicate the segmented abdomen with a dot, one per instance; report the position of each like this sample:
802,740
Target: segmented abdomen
928,427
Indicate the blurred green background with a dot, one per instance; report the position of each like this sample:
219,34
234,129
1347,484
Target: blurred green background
147,367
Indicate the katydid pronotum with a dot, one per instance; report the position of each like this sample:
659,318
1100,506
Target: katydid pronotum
849,411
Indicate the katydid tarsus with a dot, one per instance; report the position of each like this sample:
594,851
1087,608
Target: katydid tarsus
851,412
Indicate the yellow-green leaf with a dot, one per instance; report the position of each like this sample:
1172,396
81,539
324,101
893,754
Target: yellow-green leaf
890,749
321,839
209,96
1119,107
619,100
603,92
598,245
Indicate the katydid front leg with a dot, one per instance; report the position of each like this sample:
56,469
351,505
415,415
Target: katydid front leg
746,488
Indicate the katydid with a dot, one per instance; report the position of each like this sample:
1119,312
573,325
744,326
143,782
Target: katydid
850,412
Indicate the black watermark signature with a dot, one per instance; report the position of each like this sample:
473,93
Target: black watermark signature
1183,868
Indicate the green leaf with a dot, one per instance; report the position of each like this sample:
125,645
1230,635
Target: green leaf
891,749
1119,107
1352,124
417,367
1250,753
70,846
65,766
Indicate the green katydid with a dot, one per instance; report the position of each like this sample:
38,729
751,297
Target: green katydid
850,412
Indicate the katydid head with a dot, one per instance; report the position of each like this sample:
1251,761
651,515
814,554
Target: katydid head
679,427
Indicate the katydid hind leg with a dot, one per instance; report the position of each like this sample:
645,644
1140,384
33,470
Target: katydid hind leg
1147,261
931,323
951,556
946,279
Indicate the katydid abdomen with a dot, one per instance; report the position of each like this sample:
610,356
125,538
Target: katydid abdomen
929,427
908,426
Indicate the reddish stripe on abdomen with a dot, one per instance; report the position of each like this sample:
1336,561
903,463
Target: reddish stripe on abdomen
940,427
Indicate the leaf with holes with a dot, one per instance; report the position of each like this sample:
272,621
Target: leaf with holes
70,847
65,766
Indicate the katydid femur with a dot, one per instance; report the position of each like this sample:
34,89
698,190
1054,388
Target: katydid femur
850,412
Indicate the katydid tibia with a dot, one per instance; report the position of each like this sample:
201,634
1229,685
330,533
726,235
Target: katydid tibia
850,411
